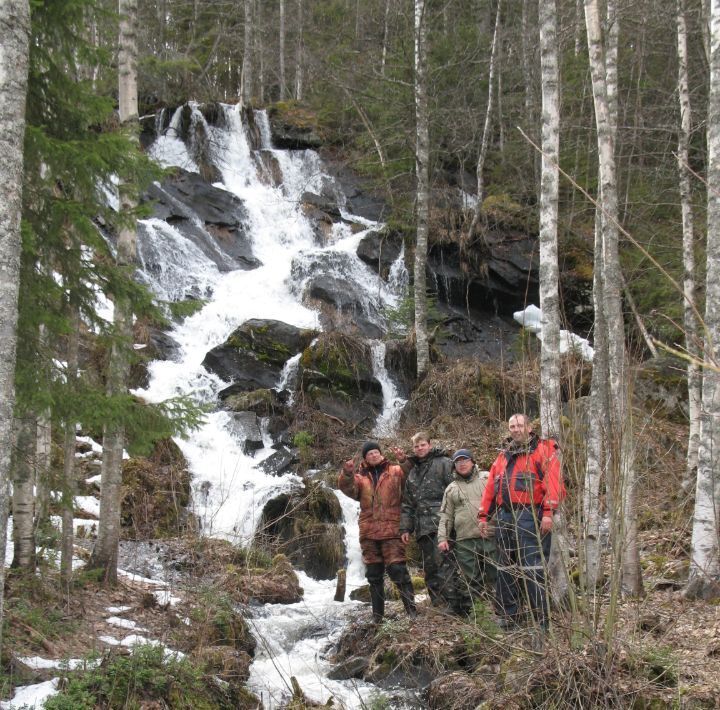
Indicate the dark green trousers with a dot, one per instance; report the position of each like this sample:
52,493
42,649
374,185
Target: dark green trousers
476,557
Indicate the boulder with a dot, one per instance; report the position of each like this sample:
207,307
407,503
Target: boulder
223,240
380,250
327,205
293,137
333,279
245,427
253,356
337,379
280,461
306,526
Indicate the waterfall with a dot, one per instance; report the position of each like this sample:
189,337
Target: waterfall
392,403
230,490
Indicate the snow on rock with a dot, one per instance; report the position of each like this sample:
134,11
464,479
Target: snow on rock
531,319
38,663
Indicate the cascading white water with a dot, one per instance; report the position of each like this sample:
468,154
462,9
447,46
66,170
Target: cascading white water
229,491
392,403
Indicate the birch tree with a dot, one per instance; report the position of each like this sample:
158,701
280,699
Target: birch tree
246,79
299,53
620,442
422,170
704,576
485,140
105,553
14,46
281,52
689,309
549,291
23,502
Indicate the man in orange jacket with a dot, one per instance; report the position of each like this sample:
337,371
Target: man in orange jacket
523,492
378,485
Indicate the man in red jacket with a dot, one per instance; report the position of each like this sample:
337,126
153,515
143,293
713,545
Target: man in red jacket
523,492
378,485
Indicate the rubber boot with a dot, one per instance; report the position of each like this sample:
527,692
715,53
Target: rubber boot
375,573
377,599
407,595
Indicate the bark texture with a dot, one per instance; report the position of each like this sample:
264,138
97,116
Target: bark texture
422,169
14,46
704,576
105,552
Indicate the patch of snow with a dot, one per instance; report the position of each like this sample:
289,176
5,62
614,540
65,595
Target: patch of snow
88,504
531,319
138,578
124,623
109,640
31,696
38,663
118,609
165,598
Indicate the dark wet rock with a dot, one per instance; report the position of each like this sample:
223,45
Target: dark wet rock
337,379
293,137
306,526
380,250
330,279
160,345
353,667
327,205
500,276
245,427
280,461
253,356
222,238
363,198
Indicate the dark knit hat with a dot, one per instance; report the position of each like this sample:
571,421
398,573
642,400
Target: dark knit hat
462,454
369,446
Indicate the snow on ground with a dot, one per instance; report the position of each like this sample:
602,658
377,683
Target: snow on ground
31,696
124,623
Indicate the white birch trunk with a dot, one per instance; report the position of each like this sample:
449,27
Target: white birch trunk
704,576
246,78
386,34
621,444
549,295
689,314
15,19
422,169
67,540
299,53
597,426
259,51
23,502
105,552
281,52
485,140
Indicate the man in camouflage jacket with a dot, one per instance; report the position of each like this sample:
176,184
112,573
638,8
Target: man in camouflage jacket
430,471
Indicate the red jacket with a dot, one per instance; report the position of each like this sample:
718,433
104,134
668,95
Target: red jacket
379,504
524,475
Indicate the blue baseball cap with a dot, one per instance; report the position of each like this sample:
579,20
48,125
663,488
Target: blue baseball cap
462,454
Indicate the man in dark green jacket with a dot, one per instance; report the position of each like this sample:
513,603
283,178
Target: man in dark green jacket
430,471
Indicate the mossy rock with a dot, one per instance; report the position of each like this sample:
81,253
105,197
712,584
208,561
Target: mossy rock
216,622
661,386
340,364
157,493
226,663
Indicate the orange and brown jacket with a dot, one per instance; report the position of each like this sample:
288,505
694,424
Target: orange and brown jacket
379,502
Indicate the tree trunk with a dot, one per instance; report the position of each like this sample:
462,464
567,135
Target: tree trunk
689,316
621,444
23,501
15,19
386,33
68,478
422,169
105,553
704,576
281,51
549,296
299,53
246,73
485,141
259,50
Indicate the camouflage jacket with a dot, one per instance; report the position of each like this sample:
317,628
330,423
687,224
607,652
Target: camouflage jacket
426,482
